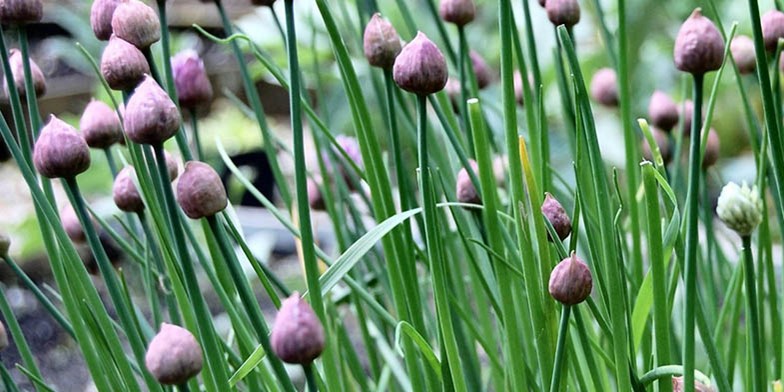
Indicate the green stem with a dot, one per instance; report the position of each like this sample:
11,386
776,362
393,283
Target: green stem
32,99
16,106
110,161
669,371
195,131
690,261
753,326
157,261
463,62
560,349
309,378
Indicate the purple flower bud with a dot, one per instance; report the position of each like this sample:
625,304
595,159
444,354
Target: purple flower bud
172,165
122,64
297,334
191,80
712,149
563,12
101,15
604,87
556,214
466,191
100,125
570,281
420,68
662,111
17,70
150,116
124,192
60,151
662,140
381,42
481,70
136,23
772,29
19,12
200,191
459,12
699,47
742,48
174,355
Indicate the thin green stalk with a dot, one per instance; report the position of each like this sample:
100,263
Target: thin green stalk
16,107
310,379
433,243
165,281
32,99
195,131
463,62
560,349
753,326
110,161
691,240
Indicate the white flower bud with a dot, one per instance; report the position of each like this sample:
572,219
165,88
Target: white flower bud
740,208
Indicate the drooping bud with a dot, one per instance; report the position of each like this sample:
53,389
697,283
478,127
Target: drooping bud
687,117
297,334
420,68
466,191
174,356
712,149
100,125
699,47
662,141
604,87
563,12
381,42
150,115
200,191
20,12
678,386
60,151
136,23
556,214
124,192
459,12
191,80
740,208
17,70
172,165
315,198
265,3
662,111
742,49
5,244
772,28
101,15
570,281
122,64
481,70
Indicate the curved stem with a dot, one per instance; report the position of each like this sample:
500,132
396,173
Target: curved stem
690,261
753,325
560,348
669,371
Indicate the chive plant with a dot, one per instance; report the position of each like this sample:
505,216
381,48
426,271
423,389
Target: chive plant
456,295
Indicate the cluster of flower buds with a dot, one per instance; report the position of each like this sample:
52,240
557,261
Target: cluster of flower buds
297,334
570,281
174,355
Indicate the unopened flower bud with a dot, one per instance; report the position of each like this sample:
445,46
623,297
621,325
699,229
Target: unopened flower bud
772,28
191,80
200,191
124,192
315,198
101,15
60,151
742,49
454,91
678,386
459,12
662,111
122,64
297,334
174,356
150,116
556,214
712,149
5,244
662,141
15,60
481,70
172,165
20,12
699,47
100,125
570,281
136,23
563,12
71,225
381,42
740,208
466,191
604,87
420,68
